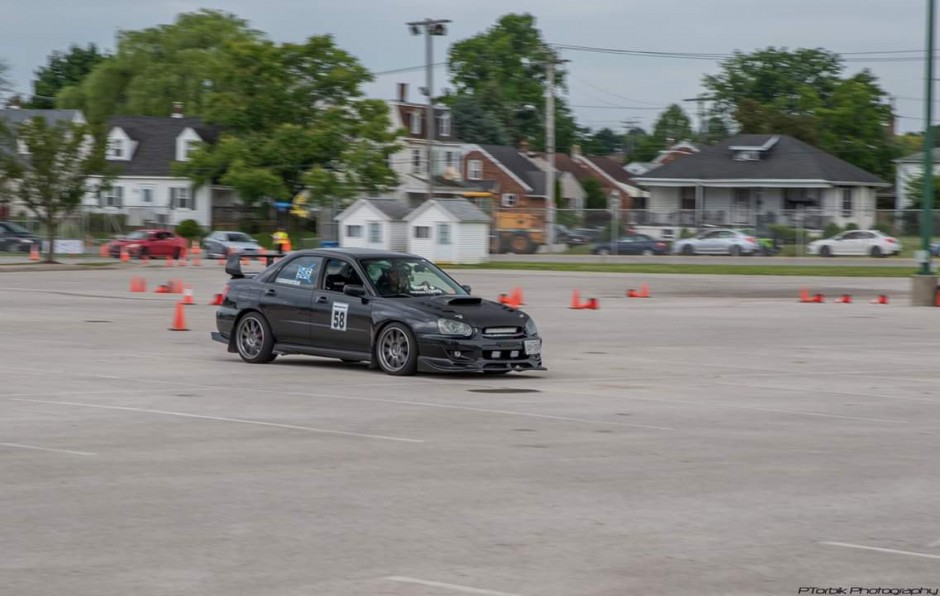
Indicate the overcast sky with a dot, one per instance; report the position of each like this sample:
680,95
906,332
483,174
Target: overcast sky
374,31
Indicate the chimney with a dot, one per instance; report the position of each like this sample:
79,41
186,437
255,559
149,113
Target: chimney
524,146
177,109
403,92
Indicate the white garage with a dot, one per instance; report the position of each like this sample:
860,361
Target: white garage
374,223
449,231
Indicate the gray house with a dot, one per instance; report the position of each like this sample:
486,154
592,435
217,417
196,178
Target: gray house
756,180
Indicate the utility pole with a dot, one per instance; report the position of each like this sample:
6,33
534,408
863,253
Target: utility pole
431,27
551,61
927,202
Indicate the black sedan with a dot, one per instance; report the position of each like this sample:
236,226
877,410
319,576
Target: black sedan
16,238
396,311
632,244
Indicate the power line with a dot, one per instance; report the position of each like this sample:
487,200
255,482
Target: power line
407,69
611,93
716,56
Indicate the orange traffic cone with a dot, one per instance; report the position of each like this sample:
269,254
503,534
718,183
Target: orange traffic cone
591,304
179,318
34,252
188,296
576,300
104,249
845,299
881,299
216,300
516,297
125,256
804,295
644,290
819,298
138,284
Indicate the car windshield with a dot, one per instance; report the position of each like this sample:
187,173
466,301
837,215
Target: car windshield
239,237
16,228
410,276
138,235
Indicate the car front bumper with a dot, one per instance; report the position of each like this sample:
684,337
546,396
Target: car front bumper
440,354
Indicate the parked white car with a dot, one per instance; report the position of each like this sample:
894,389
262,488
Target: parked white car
856,242
718,242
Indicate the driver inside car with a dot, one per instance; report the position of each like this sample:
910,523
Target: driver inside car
394,280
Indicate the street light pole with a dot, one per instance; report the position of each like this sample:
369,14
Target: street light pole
927,201
431,27
551,61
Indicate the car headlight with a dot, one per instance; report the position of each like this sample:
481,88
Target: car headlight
452,327
531,328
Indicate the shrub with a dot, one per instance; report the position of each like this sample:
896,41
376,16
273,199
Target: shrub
783,233
851,226
884,227
189,229
686,233
830,230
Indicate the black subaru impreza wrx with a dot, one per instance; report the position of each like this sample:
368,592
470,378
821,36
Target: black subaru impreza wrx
397,311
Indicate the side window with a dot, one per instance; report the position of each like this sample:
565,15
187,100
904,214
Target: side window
339,274
301,271
851,236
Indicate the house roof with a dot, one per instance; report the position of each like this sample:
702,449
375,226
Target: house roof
787,159
919,157
393,209
564,163
156,142
463,210
611,168
520,166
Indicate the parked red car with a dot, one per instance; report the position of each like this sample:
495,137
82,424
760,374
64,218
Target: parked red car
151,243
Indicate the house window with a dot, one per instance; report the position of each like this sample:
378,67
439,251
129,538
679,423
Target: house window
114,197
182,198
354,231
443,124
443,233
687,198
747,156
375,232
416,161
146,194
416,123
510,200
475,169
449,159
848,202
797,198
190,147
115,149
422,231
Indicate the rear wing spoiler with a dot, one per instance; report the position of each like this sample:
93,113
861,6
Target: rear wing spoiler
233,265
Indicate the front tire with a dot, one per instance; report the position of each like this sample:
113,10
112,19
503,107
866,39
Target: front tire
397,350
254,340
735,251
825,251
876,252
687,250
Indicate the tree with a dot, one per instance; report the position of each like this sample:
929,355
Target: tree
801,93
63,69
155,67
504,69
604,142
672,126
594,197
53,179
476,125
294,119
716,130
4,81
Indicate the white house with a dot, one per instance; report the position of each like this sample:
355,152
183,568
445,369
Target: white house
757,180
449,231
908,168
374,223
142,151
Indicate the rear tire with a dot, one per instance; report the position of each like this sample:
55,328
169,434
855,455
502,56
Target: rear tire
254,340
876,252
521,245
735,251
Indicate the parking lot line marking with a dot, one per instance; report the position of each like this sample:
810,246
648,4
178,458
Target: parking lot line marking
66,451
883,550
222,419
454,587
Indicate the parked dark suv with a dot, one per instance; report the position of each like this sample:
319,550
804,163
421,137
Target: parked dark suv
16,238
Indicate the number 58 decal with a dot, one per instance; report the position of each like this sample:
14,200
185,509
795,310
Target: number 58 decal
338,320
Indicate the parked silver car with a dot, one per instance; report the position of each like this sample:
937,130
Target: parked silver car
718,242
222,243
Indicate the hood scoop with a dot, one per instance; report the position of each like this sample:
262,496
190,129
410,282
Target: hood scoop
463,301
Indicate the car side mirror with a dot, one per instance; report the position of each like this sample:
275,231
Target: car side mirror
354,290
467,289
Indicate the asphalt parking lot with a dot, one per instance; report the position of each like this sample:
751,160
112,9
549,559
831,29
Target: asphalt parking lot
717,438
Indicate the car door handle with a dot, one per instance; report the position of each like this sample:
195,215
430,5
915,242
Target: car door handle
270,292
322,300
